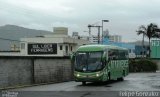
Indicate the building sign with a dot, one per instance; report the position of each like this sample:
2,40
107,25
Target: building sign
155,42
155,49
42,48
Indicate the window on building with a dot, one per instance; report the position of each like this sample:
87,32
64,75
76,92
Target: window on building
66,49
22,45
61,47
130,50
71,48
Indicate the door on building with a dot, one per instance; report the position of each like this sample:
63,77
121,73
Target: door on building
66,48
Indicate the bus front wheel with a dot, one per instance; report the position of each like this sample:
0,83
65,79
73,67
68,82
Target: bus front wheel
121,78
83,83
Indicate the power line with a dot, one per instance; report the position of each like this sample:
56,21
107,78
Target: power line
10,39
14,40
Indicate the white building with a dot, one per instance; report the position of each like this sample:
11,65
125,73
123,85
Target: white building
75,35
58,44
115,38
94,39
84,38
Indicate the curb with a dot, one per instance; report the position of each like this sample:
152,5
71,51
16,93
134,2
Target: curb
22,86
158,71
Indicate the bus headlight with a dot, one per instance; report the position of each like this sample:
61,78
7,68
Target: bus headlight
78,75
97,75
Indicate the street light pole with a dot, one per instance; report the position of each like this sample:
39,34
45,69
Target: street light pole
102,32
99,34
102,28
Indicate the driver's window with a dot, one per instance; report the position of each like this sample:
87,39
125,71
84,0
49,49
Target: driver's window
112,55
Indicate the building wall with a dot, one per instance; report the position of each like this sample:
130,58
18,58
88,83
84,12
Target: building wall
115,38
17,71
140,50
52,70
94,39
64,41
63,52
57,41
155,49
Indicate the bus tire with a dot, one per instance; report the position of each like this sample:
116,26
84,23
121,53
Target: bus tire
120,79
123,72
83,83
123,75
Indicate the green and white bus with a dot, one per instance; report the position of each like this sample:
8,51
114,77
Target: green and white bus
96,63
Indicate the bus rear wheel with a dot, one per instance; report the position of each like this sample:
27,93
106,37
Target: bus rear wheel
120,79
83,83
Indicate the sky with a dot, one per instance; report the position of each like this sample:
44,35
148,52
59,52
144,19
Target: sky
125,16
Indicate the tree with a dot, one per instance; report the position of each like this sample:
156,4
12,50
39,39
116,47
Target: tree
151,31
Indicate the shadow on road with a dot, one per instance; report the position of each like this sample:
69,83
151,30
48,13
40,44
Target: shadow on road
106,84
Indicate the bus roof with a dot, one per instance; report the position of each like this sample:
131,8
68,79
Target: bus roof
98,47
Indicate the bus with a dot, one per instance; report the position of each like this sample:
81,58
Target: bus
100,63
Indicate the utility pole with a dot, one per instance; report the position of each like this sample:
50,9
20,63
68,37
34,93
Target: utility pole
89,27
102,28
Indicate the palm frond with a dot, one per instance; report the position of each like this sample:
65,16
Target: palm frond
141,30
143,27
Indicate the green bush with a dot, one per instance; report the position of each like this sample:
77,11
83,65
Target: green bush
142,65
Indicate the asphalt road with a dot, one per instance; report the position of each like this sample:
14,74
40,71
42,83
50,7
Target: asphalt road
133,82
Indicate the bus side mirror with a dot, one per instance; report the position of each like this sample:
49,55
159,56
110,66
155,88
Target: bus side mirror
72,56
109,59
104,57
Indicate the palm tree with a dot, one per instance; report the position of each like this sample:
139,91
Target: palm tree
150,32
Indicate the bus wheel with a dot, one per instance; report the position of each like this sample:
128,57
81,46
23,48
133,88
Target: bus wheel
120,79
83,83
123,72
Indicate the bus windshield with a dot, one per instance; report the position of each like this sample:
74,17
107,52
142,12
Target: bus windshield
88,61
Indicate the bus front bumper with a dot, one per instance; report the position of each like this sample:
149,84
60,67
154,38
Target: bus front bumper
89,79
96,77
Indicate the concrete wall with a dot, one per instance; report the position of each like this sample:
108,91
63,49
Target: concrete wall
52,70
15,71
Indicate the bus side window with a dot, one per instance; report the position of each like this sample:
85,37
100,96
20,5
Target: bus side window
113,55
123,55
109,55
126,54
